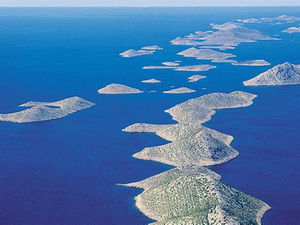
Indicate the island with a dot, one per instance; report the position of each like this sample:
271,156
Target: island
196,68
186,41
191,145
43,111
158,67
195,78
191,193
195,195
282,74
282,18
206,54
133,53
199,110
250,20
217,47
151,81
118,89
228,35
172,132
147,50
170,63
292,30
258,62
152,47
181,90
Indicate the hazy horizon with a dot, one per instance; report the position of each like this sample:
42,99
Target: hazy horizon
146,3
108,6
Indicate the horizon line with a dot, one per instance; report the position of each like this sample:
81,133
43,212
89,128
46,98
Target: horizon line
112,6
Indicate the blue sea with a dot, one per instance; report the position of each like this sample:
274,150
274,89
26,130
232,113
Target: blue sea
64,171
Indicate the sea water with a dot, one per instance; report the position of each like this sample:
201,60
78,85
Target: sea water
65,171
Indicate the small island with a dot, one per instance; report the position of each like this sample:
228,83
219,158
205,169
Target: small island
42,111
133,53
195,78
250,20
181,90
197,68
292,30
118,89
258,62
147,50
151,81
206,54
152,47
282,18
170,63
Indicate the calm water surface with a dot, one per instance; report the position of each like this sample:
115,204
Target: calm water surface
64,171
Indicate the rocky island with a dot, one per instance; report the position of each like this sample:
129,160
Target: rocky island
278,19
195,195
282,74
42,111
152,47
195,78
118,89
151,81
292,30
181,90
206,54
147,50
133,53
191,144
170,63
199,110
198,68
258,62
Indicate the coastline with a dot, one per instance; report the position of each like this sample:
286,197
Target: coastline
260,214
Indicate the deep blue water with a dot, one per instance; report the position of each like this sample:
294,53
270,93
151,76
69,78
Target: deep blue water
64,171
